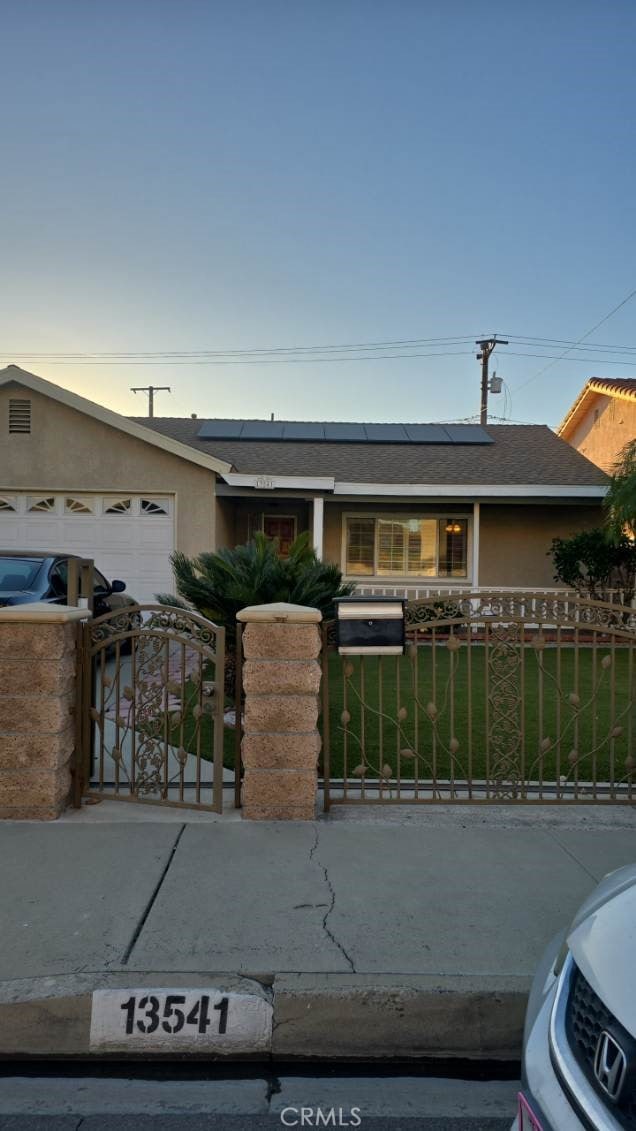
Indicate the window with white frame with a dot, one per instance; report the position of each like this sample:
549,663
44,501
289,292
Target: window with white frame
405,546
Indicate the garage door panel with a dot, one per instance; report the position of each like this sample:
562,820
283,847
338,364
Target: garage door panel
133,547
157,537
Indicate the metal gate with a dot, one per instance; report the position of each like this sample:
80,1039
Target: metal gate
500,697
151,710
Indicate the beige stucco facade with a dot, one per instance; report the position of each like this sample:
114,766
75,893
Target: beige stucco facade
514,538
72,450
606,425
67,450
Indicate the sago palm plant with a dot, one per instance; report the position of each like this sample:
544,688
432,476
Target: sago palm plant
219,584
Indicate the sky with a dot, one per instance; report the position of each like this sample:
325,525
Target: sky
194,177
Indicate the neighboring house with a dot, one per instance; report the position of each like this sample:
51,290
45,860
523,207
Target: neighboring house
405,507
602,419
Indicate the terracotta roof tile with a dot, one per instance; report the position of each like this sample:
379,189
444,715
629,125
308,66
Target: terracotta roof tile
615,385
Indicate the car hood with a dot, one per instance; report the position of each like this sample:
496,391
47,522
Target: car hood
602,941
17,597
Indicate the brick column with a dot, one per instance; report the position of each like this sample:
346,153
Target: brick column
281,681
38,658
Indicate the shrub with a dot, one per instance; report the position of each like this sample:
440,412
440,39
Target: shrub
589,563
219,584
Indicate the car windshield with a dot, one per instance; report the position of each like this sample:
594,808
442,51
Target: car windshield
18,573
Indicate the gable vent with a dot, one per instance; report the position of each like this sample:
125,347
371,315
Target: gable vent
19,415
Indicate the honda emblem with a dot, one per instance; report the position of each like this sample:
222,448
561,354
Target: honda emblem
610,1065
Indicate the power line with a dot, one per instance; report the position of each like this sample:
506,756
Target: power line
198,359
525,339
563,357
346,347
261,361
337,360
587,333
390,349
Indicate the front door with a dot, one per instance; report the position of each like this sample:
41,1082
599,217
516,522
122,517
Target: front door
283,529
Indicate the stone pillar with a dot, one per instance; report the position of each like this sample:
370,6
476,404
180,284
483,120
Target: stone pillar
38,673
281,681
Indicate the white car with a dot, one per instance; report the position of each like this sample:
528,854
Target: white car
579,1048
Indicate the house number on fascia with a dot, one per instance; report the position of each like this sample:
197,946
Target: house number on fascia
264,484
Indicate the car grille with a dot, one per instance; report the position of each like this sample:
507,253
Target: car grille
586,1018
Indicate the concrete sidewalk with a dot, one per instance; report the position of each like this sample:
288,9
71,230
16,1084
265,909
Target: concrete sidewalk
406,933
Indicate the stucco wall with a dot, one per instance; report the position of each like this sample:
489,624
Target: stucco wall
225,523
67,450
514,541
608,425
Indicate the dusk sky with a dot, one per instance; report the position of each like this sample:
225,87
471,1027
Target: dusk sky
191,175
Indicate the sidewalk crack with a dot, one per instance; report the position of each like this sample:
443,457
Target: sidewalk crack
553,836
149,906
329,933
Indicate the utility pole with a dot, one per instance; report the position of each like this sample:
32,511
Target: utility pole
151,390
486,346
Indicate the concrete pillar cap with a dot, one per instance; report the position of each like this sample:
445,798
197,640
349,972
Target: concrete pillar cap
40,612
279,612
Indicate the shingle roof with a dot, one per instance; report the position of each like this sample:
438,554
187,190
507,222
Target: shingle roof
520,454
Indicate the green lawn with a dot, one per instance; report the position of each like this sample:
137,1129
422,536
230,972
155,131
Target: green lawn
388,702
191,730
437,705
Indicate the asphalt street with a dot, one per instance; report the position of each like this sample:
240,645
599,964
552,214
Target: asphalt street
166,1102
235,1123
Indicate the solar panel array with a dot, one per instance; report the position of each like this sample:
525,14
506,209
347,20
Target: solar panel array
317,431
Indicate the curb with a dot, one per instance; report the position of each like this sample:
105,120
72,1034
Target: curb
312,1016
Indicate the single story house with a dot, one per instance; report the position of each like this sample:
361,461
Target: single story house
602,419
403,508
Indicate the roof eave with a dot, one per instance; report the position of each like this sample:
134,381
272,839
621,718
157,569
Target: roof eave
476,490
329,485
575,411
594,387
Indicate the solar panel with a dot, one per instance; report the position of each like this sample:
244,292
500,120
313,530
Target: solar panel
344,432
426,434
262,430
385,433
220,430
468,434
299,431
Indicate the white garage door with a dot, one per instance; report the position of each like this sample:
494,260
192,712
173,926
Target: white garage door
130,536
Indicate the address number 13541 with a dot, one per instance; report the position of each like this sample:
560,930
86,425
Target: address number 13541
173,1012
200,1020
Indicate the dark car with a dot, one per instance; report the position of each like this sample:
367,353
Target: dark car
33,575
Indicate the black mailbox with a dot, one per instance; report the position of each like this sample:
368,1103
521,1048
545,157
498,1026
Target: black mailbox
370,626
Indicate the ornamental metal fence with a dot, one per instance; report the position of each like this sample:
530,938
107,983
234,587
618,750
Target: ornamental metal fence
500,697
151,708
